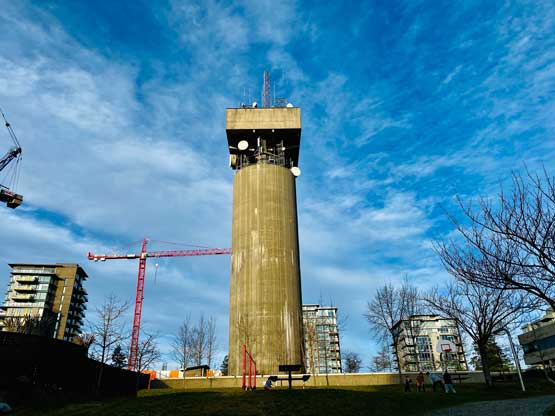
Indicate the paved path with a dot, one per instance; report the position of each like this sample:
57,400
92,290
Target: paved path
535,406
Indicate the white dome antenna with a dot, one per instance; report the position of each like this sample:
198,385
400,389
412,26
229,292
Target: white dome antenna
295,171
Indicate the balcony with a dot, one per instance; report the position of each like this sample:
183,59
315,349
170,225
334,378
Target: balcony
25,288
27,279
36,270
76,316
78,301
23,297
81,290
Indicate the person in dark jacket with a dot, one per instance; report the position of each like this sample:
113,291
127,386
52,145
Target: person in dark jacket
448,383
408,382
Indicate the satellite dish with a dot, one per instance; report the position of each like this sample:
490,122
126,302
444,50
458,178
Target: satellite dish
295,171
289,105
254,104
243,145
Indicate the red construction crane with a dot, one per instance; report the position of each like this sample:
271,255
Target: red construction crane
142,256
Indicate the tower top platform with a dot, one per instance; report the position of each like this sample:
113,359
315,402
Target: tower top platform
275,126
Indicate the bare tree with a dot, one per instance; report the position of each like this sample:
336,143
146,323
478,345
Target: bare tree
199,340
148,351
479,311
181,349
388,306
108,329
311,337
210,340
382,360
352,362
512,238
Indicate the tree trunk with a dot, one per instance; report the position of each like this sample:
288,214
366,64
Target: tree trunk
397,358
485,364
99,380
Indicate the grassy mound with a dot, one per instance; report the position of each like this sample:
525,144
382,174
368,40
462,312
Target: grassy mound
370,400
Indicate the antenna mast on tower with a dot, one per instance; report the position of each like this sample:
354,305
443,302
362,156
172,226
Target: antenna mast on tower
266,90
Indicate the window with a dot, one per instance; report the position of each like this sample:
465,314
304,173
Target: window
539,345
451,338
424,356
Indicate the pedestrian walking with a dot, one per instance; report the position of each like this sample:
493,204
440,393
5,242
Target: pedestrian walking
435,380
448,383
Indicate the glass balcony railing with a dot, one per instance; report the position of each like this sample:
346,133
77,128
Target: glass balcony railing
35,270
25,288
27,279
27,297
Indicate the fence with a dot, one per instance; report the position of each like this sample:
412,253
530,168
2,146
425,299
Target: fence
39,367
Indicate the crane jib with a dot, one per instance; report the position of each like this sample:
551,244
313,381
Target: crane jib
139,294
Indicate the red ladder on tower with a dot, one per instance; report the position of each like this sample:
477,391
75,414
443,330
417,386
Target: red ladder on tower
142,256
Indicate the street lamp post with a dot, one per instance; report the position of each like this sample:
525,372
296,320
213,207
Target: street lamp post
515,357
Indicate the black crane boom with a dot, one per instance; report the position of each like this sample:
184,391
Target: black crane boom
7,195
8,157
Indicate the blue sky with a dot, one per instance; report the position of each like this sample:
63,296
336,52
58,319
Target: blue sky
120,109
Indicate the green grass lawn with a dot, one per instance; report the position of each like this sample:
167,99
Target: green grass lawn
370,400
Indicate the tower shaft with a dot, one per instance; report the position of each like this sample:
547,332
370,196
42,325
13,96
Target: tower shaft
265,302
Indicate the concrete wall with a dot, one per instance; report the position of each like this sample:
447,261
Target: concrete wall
331,380
265,293
263,118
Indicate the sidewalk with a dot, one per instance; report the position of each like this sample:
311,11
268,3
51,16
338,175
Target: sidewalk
534,406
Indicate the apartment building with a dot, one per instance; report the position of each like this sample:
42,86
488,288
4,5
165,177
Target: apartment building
321,339
51,294
419,340
538,341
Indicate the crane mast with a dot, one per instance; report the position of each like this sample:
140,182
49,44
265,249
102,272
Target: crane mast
139,293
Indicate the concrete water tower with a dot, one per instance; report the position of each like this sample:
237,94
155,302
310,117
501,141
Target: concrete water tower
265,300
